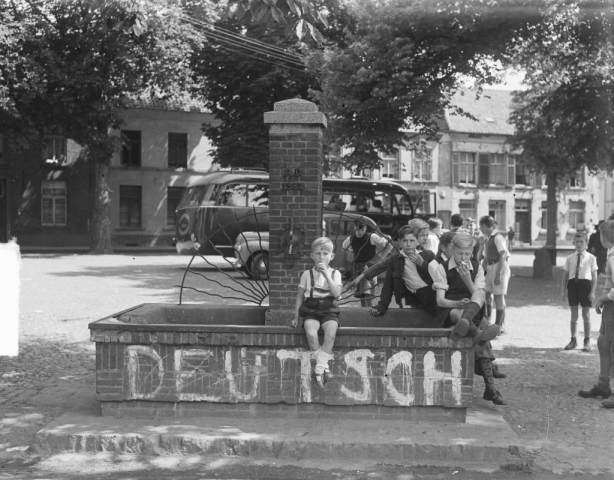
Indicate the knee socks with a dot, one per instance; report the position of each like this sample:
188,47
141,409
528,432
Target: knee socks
321,358
485,368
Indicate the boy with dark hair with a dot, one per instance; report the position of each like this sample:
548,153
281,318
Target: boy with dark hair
578,287
368,249
407,276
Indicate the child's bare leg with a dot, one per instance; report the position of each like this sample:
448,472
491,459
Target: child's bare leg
586,317
330,331
500,311
574,319
311,327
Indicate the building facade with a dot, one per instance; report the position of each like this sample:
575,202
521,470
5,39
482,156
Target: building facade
46,190
471,169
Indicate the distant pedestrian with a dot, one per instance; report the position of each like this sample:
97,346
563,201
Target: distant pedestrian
578,287
317,305
596,248
604,306
456,222
432,242
511,235
496,256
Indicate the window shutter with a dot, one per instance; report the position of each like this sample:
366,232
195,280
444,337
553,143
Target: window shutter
455,162
511,169
483,169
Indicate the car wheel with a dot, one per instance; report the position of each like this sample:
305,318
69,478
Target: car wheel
259,266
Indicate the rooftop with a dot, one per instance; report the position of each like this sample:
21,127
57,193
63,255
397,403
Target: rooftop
491,111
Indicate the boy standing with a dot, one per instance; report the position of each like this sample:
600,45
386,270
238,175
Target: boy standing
604,305
578,287
316,304
368,248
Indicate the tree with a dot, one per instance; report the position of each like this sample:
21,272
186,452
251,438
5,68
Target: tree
402,64
246,67
90,59
564,120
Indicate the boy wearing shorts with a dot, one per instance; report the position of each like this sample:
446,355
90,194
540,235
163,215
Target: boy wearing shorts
604,306
317,306
498,273
578,287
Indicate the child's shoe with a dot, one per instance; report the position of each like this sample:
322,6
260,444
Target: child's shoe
609,403
587,345
494,396
602,391
486,335
459,330
328,376
572,344
319,379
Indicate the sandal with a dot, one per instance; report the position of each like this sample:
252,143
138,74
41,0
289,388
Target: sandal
319,380
328,377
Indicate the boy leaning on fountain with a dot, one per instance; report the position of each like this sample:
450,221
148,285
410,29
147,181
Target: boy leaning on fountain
317,306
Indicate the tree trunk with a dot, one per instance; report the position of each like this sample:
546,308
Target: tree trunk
552,227
100,242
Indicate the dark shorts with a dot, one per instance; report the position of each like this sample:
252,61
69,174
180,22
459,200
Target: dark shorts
607,321
578,292
425,298
320,309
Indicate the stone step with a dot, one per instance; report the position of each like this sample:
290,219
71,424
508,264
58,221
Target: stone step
485,439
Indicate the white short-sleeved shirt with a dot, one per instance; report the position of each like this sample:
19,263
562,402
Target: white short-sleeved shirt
379,242
321,288
588,265
432,243
435,271
442,279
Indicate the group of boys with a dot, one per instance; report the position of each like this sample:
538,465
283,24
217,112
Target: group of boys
450,285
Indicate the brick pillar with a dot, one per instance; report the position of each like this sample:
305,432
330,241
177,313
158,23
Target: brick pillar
295,196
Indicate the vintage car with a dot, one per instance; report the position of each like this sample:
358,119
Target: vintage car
252,248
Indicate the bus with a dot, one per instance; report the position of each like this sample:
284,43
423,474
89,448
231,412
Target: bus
216,208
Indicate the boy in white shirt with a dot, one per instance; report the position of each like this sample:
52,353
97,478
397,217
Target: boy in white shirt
317,305
578,287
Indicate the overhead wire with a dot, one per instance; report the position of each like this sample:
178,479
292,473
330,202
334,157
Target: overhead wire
244,38
244,43
224,47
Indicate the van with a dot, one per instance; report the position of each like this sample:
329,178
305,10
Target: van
216,208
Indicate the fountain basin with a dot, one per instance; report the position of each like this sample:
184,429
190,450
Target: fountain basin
156,360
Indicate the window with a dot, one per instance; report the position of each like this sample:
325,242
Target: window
233,195
390,165
131,149
257,196
464,167
54,149
53,203
496,209
423,165
492,169
178,150
467,208
129,206
544,215
523,174
576,180
576,215
333,166
173,197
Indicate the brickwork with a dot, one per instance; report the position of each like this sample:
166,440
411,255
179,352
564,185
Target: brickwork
295,195
272,366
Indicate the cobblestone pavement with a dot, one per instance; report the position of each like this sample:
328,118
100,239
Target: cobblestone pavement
61,294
